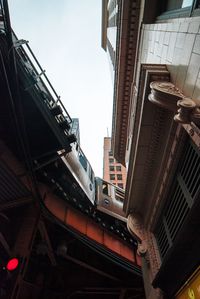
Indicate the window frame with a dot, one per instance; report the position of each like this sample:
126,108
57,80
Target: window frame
118,168
112,177
119,177
111,168
184,12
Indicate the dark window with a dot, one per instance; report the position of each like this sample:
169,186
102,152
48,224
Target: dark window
183,192
83,160
118,168
91,175
121,185
110,153
177,4
112,177
178,8
112,168
119,177
198,4
111,160
105,188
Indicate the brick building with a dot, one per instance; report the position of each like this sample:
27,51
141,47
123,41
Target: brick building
113,171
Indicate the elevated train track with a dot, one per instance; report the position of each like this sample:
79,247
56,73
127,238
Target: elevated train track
35,138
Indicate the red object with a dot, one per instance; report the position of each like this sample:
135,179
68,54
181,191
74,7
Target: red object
12,264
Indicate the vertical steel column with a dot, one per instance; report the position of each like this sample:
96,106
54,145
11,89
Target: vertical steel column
23,247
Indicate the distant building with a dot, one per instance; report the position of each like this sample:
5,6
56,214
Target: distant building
109,31
75,128
113,171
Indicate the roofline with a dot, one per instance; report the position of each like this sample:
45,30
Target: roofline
104,22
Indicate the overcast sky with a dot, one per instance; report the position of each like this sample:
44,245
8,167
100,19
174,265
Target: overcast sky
65,36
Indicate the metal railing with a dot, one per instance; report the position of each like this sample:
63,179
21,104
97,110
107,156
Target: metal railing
35,72
39,78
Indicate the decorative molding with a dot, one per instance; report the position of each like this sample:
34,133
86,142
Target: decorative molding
148,73
166,172
147,246
194,133
166,95
136,229
153,254
186,112
127,34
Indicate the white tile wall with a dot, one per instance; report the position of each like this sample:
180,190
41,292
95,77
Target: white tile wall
175,43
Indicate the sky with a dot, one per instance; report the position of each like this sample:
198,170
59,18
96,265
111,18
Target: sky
65,36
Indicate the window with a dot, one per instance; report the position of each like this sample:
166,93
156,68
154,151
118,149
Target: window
178,8
105,188
186,3
183,193
110,153
83,160
120,185
111,160
91,174
118,168
177,4
112,177
119,177
112,168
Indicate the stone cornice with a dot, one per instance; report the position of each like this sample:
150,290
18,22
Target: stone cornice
128,23
148,127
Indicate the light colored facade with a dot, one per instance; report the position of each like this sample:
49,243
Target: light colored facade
156,132
113,171
75,129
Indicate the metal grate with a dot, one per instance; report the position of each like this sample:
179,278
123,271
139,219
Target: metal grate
185,188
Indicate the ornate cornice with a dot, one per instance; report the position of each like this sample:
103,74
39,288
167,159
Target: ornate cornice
154,155
184,112
127,34
166,95
144,146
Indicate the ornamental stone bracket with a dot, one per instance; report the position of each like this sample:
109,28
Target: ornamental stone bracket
136,229
166,95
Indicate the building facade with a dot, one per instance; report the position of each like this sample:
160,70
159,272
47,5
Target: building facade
113,171
156,132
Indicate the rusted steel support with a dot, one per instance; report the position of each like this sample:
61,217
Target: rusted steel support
45,237
23,246
91,268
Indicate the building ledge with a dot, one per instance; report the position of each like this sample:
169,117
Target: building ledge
127,38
